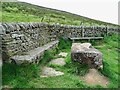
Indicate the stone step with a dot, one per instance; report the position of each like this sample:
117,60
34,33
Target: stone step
63,54
50,72
58,61
33,56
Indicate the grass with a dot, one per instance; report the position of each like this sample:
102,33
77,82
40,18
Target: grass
15,17
18,76
24,12
28,76
110,59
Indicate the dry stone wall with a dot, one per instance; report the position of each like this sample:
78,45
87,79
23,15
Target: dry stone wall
18,38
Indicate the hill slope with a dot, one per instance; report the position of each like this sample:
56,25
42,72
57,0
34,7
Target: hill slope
24,12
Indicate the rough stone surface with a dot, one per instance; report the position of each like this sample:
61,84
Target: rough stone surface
93,77
23,37
86,54
63,54
49,72
33,56
58,61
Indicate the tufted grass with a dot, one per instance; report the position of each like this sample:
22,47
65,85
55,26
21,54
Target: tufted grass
28,76
18,75
110,59
19,17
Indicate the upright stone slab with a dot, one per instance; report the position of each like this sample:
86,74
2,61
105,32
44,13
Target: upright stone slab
86,54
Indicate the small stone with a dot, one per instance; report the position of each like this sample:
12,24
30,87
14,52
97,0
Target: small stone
63,54
2,30
58,61
49,72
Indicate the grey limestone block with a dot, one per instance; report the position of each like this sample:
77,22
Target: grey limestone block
84,53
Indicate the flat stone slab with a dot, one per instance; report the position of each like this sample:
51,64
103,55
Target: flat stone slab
63,54
50,72
85,53
58,61
93,77
33,55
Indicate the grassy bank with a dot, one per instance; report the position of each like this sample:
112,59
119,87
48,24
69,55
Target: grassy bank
28,76
24,12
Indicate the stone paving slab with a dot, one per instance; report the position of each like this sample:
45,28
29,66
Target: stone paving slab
50,72
63,54
58,61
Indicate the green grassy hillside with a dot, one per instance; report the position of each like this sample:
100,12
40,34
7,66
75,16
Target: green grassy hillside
24,12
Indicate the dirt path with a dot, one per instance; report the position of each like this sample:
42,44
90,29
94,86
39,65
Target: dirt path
93,77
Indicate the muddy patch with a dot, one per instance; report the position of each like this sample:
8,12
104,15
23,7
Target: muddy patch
93,77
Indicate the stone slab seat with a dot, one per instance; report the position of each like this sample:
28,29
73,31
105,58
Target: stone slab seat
85,53
77,38
33,56
85,38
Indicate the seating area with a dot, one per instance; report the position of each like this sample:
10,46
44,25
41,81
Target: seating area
85,53
85,38
33,56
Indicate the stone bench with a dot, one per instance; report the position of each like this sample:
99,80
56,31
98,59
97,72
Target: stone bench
86,54
33,56
85,38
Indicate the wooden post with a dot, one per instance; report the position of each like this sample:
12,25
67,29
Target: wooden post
106,31
82,31
73,40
